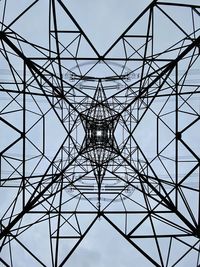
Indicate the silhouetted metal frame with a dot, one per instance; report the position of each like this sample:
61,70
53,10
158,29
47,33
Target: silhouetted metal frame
42,191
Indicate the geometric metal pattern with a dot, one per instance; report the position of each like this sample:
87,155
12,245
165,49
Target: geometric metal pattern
85,135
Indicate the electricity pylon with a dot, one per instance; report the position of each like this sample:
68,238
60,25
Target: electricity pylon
85,135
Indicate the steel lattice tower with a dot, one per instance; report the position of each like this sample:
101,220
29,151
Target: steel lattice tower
85,135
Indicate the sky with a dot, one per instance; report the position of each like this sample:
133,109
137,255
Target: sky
102,21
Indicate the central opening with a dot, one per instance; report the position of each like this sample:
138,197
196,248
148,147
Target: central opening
99,133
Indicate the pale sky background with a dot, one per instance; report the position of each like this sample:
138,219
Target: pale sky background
103,21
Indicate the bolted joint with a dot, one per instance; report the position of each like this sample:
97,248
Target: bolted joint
2,35
178,135
197,232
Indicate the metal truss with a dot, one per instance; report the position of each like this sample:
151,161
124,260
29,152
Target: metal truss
85,135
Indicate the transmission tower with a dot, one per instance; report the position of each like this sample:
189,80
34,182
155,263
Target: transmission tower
87,136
